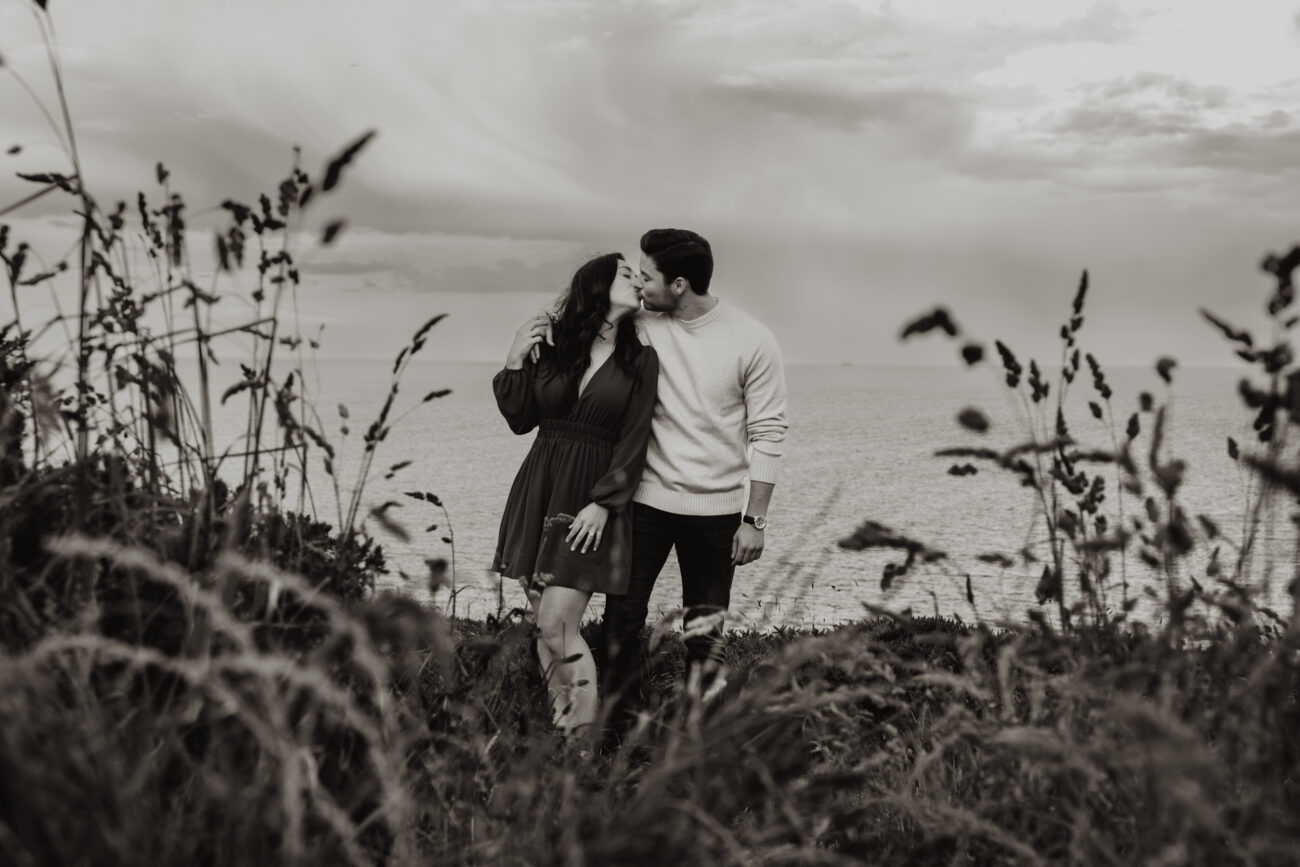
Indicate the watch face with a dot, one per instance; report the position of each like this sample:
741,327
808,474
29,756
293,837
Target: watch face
760,523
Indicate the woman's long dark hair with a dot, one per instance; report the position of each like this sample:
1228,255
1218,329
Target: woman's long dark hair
581,313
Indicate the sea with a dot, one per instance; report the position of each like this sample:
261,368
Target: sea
861,447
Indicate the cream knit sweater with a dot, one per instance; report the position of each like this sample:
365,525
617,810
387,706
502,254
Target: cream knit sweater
720,416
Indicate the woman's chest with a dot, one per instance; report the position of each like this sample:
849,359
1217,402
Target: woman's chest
600,354
598,392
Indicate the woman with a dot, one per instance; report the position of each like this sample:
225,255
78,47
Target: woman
592,394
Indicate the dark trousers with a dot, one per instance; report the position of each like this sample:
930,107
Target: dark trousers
704,554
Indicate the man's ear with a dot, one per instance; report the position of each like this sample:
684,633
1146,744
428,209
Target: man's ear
680,286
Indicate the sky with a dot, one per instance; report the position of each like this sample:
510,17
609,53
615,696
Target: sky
852,163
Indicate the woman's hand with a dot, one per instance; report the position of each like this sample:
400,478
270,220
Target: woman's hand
527,339
587,528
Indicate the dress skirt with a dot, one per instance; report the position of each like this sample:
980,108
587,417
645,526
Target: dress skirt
556,478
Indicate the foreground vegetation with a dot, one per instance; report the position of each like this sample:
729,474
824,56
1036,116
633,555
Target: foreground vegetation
195,667
407,739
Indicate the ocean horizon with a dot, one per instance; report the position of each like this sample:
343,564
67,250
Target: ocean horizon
861,447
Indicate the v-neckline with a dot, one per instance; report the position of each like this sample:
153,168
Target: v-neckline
582,392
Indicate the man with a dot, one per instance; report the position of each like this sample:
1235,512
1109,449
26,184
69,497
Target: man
719,420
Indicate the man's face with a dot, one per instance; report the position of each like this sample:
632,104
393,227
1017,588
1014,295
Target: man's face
655,295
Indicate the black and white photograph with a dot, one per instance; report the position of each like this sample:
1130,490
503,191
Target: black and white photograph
649,432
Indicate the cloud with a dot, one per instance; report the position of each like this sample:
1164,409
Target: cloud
1166,127
402,273
1179,90
929,117
1251,151
1105,123
572,120
1141,106
823,144
504,275
1101,22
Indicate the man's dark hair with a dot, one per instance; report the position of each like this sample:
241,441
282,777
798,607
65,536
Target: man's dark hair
680,253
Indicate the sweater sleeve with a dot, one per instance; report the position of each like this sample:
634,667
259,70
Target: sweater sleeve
765,400
615,489
515,398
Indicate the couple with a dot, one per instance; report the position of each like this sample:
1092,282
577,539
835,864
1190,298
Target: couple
650,423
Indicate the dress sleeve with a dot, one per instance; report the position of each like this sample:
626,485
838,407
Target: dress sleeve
516,398
615,489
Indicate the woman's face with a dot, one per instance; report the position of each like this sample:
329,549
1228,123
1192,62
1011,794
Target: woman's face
623,297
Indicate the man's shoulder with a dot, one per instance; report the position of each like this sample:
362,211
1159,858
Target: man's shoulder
745,323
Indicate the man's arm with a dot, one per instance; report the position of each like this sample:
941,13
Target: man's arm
747,544
766,426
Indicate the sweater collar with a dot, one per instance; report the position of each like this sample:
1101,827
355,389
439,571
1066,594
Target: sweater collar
701,321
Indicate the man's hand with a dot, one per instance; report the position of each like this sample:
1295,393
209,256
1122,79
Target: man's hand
746,545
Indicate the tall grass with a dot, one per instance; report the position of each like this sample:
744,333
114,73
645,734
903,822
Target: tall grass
1102,511
893,741
199,671
104,437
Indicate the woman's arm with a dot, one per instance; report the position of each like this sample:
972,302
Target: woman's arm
513,386
515,398
615,489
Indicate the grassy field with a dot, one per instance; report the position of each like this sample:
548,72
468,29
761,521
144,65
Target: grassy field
404,738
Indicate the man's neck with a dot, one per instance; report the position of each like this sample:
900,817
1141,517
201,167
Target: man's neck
694,306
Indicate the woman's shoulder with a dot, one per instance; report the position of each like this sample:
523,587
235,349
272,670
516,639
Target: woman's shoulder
647,358
638,359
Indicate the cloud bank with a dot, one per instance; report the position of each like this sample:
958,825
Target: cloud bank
845,157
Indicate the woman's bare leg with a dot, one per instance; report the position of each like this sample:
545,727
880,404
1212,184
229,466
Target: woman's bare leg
571,686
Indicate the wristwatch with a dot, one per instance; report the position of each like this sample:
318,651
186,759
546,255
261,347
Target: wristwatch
759,521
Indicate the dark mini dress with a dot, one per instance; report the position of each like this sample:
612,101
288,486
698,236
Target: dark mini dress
590,448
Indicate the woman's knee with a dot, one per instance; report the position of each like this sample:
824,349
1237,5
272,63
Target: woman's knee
554,629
